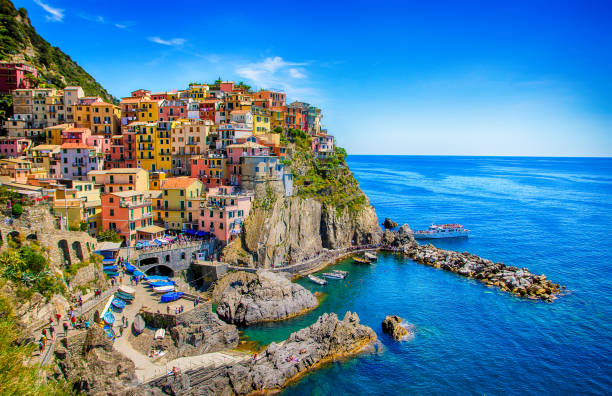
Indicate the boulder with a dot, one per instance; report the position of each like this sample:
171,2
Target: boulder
389,224
392,325
263,296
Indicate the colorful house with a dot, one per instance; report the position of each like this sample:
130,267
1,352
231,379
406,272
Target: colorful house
210,169
261,120
77,160
13,147
47,156
176,200
125,213
120,179
222,213
15,76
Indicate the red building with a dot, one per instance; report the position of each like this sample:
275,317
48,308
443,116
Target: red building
13,76
269,99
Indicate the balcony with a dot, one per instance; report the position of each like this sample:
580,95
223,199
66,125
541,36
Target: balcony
144,202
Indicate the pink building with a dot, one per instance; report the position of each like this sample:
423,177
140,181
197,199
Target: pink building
209,169
226,86
102,144
13,76
223,213
13,147
171,110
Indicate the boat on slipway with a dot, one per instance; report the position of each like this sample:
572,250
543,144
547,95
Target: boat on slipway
317,280
163,289
172,296
438,231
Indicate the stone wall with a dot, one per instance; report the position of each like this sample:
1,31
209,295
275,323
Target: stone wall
37,223
177,257
208,272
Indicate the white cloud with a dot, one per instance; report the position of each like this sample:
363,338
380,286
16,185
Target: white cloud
277,73
175,42
55,14
120,26
296,73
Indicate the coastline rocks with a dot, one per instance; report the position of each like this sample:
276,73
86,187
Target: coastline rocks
402,239
264,296
97,369
326,340
388,223
392,325
517,281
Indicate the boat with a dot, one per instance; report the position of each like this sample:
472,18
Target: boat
317,280
154,278
109,318
129,268
163,289
159,334
172,296
161,283
345,273
109,331
437,231
110,268
332,275
361,260
139,324
111,274
118,303
125,297
370,256
127,290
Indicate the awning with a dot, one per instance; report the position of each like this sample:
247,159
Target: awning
108,246
190,232
202,233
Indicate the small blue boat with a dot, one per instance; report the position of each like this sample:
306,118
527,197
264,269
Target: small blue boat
124,296
156,278
129,268
110,268
118,303
109,318
111,274
172,296
138,273
161,283
110,333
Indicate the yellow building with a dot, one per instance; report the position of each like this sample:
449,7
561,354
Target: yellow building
198,92
163,146
156,179
105,119
53,134
78,202
261,120
173,207
46,156
148,110
145,144
277,118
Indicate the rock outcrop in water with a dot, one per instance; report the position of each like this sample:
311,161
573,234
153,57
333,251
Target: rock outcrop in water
389,224
247,298
518,281
392,325
326,340
292,229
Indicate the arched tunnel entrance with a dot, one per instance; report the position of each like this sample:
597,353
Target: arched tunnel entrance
160,270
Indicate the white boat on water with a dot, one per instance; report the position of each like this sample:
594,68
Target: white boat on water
163,289
332,275
317,280
370,256
345,273
437,231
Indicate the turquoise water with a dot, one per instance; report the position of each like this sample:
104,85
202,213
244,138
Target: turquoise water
549,214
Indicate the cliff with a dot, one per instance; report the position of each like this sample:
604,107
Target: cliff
19,42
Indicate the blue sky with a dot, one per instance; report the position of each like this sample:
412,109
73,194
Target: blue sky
430,78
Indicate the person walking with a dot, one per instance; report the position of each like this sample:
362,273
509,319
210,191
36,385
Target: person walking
58,317
52,331
65,329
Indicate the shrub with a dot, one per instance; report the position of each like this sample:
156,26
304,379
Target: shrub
17,209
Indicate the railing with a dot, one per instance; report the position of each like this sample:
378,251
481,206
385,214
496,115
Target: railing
144,202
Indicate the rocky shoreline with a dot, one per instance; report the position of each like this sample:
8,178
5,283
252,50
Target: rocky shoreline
247,298
326,340
516,281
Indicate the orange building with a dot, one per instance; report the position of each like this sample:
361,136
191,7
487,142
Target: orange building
126,213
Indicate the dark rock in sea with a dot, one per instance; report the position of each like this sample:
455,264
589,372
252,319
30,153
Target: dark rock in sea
393,326
326,340
248,298
389,224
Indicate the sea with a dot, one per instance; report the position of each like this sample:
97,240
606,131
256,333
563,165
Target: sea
551,215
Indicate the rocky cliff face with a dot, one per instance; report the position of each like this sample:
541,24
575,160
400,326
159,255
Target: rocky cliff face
327,339
292,229
97,369
264,296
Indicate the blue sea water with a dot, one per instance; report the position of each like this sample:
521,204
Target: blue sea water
552,215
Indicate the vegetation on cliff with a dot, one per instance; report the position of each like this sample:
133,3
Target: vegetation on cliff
20,42
328,180
17,377
26,267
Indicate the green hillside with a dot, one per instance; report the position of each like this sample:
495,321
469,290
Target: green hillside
20,42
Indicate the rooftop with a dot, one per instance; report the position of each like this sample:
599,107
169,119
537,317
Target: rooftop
76,146
178,182
116,170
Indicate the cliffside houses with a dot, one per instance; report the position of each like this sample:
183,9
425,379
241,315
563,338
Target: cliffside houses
190,160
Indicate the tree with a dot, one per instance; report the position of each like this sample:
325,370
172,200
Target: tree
109,236
17,209
277,129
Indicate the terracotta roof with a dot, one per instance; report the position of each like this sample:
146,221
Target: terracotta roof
45,147
60,126
247,145
239,111
130,100
178,182
75,146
